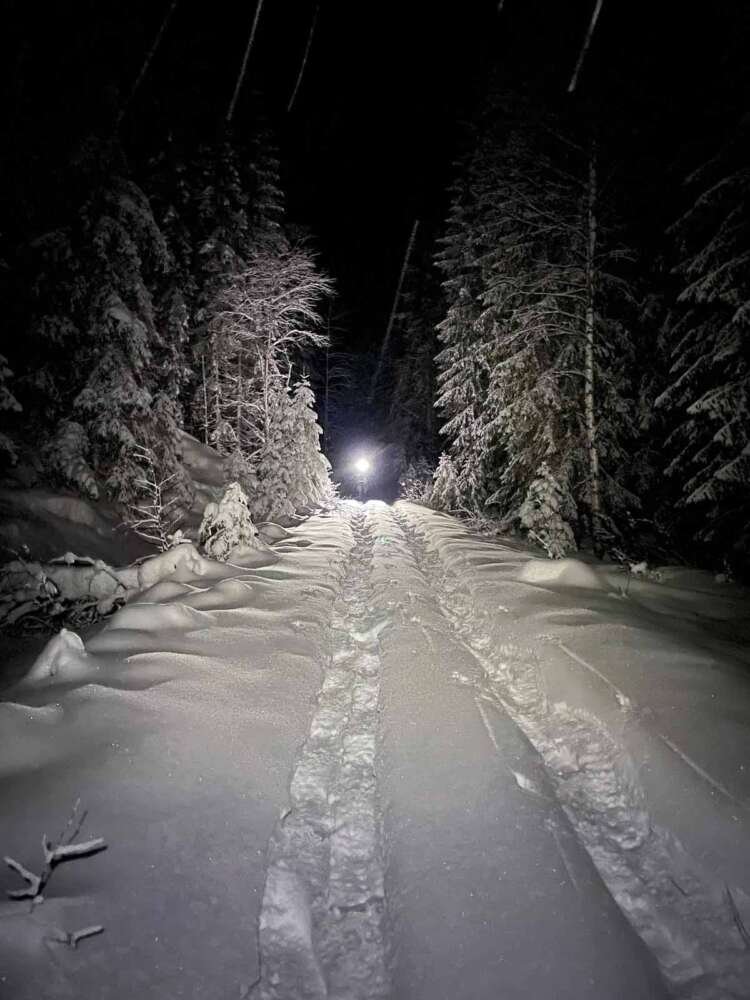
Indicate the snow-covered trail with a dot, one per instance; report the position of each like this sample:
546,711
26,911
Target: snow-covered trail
353,774
488,890
683,901
423,854
321,925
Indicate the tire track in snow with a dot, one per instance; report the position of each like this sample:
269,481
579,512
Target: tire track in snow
322,918
684,921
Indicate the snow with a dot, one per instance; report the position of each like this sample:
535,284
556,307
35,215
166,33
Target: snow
637,695
388,758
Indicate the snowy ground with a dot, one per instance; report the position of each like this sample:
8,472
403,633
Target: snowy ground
397,761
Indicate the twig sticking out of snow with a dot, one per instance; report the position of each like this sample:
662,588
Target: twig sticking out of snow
738,921
73,937
55,854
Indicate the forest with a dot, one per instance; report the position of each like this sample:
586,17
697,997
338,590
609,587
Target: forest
567,355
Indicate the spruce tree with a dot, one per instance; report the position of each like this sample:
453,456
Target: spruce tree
8,403
529,375
708,341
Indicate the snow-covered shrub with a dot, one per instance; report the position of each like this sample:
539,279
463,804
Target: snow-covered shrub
65,456
445,494
544,513
416,483
227,524
291,472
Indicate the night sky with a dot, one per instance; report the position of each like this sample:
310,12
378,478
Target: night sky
380,116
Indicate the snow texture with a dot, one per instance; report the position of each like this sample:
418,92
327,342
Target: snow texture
397,760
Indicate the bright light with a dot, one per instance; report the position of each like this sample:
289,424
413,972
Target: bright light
362,466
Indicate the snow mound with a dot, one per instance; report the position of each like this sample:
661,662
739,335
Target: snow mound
560,572
159,617
271,532
204,463
63,658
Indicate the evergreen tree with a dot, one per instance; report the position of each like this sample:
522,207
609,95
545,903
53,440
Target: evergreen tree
463,364
411,418
8,403
119,378
707,337
529,375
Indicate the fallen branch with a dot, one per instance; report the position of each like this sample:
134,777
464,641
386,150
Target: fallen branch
54,854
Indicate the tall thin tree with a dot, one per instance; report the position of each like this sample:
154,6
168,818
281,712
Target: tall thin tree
394,307
589,365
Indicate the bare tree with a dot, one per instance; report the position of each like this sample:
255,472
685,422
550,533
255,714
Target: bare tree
263,321
156,516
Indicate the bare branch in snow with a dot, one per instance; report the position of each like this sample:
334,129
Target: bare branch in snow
736,916
55,854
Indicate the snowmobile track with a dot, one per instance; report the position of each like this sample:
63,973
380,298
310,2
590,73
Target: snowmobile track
688,926
322,919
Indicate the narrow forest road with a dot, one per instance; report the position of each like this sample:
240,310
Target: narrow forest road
388,759
424,854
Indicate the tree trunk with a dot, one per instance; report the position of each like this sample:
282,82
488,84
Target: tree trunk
217,394
327,389
589,367
205,399
238,428
392,317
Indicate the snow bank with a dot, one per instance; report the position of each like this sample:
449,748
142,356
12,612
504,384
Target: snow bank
560,573
64,658
180,742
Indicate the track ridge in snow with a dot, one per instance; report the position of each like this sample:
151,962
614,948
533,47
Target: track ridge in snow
322,920
685,921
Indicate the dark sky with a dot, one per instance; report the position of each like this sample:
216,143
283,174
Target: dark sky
369,145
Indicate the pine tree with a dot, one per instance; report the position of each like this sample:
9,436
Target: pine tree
8,403
708,340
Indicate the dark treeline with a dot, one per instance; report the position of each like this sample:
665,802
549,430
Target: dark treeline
593,353
153,287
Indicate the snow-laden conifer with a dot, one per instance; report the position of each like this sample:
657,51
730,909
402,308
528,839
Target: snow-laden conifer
8,404
707,336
